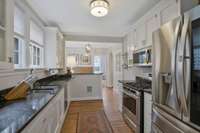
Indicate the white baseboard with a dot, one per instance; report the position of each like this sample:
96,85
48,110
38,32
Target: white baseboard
85,98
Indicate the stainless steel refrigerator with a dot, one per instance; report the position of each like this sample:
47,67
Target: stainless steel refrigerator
176,75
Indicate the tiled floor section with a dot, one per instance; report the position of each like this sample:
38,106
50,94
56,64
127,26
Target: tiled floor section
110,106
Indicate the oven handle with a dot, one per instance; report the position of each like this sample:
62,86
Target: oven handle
135,96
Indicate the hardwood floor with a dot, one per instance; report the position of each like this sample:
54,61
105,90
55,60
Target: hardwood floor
109,104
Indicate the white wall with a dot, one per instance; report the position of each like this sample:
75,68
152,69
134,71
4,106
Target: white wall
131,73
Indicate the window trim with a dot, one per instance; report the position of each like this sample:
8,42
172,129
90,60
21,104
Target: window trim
41,65
100,64
21,53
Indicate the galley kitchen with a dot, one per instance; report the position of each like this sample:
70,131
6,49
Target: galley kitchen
99,66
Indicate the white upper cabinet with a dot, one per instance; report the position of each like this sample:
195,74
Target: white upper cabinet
168,11
6,34
163,12
152,24
140,34
130,40
54,48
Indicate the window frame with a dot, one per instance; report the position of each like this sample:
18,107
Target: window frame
99,64
21,53
34,56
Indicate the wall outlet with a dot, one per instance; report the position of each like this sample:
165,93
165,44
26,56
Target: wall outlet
89,89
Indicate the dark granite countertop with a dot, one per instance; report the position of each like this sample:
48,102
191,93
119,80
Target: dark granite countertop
87,73
14,116
126,81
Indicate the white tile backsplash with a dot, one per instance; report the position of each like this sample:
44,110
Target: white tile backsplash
131,73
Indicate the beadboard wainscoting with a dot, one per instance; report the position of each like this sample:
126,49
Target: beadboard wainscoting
85,87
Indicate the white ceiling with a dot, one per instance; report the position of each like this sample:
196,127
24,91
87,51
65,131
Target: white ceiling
80,44
73,16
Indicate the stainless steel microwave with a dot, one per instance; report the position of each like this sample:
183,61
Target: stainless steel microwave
142,57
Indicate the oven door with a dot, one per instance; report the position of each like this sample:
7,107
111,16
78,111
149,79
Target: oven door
131,106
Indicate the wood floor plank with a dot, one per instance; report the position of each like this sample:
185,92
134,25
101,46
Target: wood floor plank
70,123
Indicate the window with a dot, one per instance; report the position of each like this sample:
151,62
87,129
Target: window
36,45
19,53
16,51
36,55
97,64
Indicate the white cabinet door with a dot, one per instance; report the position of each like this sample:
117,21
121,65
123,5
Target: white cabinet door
38,125
125,43
152,24
147,112
140,35
6,35
54,55
52,119
120,96
60,106
169,11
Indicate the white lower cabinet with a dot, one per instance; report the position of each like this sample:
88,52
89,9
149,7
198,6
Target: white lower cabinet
50,119
147,112
120,97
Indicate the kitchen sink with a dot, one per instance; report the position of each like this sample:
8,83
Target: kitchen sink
52,89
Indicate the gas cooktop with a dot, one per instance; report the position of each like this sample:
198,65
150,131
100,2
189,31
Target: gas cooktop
140,84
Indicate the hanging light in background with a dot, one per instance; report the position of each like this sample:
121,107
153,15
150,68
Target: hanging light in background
88,48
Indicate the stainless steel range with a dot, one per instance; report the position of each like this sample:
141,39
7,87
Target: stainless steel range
133,103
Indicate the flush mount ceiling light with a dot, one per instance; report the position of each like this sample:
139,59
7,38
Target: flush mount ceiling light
99,8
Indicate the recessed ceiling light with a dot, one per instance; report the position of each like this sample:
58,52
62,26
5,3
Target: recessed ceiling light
99,8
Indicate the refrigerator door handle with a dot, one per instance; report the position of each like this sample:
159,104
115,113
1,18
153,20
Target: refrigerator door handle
183,59
174,61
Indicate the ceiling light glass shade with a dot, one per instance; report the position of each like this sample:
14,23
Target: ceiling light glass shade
99,8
